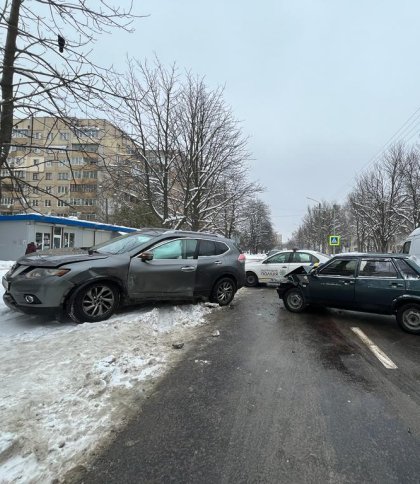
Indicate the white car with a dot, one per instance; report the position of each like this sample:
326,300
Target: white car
273,268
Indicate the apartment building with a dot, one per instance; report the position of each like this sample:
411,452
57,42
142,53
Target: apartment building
65,165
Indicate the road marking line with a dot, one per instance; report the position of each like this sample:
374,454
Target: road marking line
382,357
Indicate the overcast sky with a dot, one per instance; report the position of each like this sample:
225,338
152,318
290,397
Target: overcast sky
320,85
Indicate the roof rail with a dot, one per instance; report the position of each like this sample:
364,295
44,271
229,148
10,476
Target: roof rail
178,231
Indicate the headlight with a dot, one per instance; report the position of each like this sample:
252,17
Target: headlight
40,272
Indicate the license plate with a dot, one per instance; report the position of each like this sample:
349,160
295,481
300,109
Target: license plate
6,284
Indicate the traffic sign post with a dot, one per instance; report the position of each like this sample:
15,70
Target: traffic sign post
334,240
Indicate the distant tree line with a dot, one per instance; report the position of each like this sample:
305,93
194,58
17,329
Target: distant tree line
381,209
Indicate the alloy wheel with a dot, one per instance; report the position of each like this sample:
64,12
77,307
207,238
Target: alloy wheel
98,300
224,292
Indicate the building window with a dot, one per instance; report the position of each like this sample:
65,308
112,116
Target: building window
64,136
20,133
20,174
62,189
63,175
49,189
35,176
88,148
83,188
34,203
37,135
90,174
88,131
49,163
47,203
7,201
48,176
77,160
61,203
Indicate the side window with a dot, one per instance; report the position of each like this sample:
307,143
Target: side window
207,248
301,257
377,268
406,247
171,250
278,258
176,249
190,246
221,248
406,271
340,267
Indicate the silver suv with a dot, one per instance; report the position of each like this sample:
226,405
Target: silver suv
152,264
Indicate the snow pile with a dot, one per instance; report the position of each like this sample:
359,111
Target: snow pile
66,387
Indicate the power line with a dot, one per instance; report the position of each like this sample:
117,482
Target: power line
411,124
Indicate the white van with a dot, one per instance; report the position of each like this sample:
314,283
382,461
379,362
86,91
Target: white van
412,244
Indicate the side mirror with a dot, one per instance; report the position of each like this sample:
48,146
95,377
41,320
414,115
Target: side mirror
146,256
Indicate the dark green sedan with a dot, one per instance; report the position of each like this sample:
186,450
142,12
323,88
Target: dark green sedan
375,283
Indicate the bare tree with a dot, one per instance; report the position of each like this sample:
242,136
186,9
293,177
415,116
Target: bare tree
190,164
212,149
257,234
379,200
47,65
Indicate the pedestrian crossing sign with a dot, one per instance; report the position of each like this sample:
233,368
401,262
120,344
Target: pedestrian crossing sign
334,240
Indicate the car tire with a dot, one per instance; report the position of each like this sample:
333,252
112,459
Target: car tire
408,318
95,302
223,291
294,301
251,279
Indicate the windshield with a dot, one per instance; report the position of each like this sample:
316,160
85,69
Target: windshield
122,244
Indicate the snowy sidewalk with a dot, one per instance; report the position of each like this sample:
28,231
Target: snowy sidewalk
66,387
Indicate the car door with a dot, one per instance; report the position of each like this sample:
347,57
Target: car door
170,275
333,285
211,263
378,283
273,268
299,259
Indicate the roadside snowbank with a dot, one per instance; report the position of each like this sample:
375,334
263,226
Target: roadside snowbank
66,387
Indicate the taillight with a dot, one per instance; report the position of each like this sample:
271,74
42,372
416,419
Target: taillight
241,258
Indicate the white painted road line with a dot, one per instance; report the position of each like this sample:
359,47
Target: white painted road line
382,357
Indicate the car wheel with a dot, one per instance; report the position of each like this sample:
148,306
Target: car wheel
408,318
294,300
251,279
223,291
96,302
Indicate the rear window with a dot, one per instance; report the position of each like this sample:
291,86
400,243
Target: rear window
377,268
303,257
210,247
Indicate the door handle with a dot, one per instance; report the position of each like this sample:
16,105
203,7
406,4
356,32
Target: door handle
396,284
218,262
188,269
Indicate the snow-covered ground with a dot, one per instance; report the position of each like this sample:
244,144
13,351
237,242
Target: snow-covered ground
67,387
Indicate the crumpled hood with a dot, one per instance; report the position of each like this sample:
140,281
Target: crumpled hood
299,270
58,257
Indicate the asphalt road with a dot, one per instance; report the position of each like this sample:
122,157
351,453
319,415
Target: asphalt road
278,398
